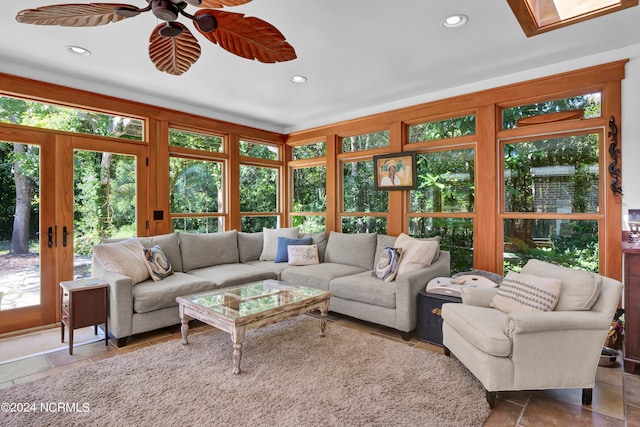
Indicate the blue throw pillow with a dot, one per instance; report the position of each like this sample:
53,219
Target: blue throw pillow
283,242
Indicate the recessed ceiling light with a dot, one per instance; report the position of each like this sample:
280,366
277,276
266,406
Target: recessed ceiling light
298,79
454,21
77,50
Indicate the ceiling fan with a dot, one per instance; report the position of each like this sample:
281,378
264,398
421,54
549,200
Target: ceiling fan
172,47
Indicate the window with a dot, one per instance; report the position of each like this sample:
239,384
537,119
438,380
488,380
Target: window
445,186
551,200
591,104
196,193
258,150
196,182
48,116
538,16
441,129
258,194
308,151
309,198
197,141
366,141
360,202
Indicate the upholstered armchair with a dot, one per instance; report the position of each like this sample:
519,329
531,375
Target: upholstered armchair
509,345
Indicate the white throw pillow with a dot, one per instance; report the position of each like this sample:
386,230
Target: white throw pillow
303,254
270,241
524,292
125,257
415,253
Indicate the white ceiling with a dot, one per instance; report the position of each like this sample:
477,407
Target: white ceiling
360,57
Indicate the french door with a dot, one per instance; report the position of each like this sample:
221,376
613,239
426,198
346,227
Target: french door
60,195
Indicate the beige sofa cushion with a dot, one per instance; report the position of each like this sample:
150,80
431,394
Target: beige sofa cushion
250,246
363,287
580,289
125,257
484,328
150,296
205,250
357,250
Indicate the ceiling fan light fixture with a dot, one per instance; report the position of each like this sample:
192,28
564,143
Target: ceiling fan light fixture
170,29
298,79
165,10
78,50
455,21
205,22
127,11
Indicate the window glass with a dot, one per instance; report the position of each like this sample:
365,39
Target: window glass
319,149
254,224
258,189
197,141
590,103
549,12
198,225
365,142
195,186
363,224
552,175
257,150
310,189
445,182
104,188
48,116
456,236
308,223
358,189
567,242
441,129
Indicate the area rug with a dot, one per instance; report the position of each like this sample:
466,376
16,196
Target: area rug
290,377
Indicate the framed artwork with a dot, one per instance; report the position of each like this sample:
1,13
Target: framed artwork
395,171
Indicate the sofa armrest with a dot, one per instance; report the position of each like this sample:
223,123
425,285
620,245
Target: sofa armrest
480,297
409,284
546,321
120,300
559,347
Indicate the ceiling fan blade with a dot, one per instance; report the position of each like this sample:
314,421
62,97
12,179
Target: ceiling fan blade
248,37
219,4
73,15
173,55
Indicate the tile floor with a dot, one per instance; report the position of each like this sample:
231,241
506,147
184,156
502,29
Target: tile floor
616,397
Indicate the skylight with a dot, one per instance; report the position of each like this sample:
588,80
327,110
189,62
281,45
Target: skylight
538,16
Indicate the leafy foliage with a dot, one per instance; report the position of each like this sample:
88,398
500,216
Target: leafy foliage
365,142
590,103
309,151
456,236
442,129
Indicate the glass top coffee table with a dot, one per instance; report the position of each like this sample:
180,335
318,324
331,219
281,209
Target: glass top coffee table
239,309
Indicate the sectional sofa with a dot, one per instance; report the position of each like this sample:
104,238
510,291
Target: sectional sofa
202,262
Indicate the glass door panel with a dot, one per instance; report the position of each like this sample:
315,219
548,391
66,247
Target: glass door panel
19,225
27,231
104,192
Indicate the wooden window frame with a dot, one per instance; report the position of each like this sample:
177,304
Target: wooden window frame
530,25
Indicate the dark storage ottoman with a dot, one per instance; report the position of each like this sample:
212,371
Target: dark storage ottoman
429,317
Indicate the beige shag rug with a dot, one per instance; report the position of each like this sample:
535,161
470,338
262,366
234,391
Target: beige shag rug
290,377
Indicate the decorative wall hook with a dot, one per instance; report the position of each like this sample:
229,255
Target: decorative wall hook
614,152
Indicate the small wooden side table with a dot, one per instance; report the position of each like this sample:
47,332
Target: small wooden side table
84,302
